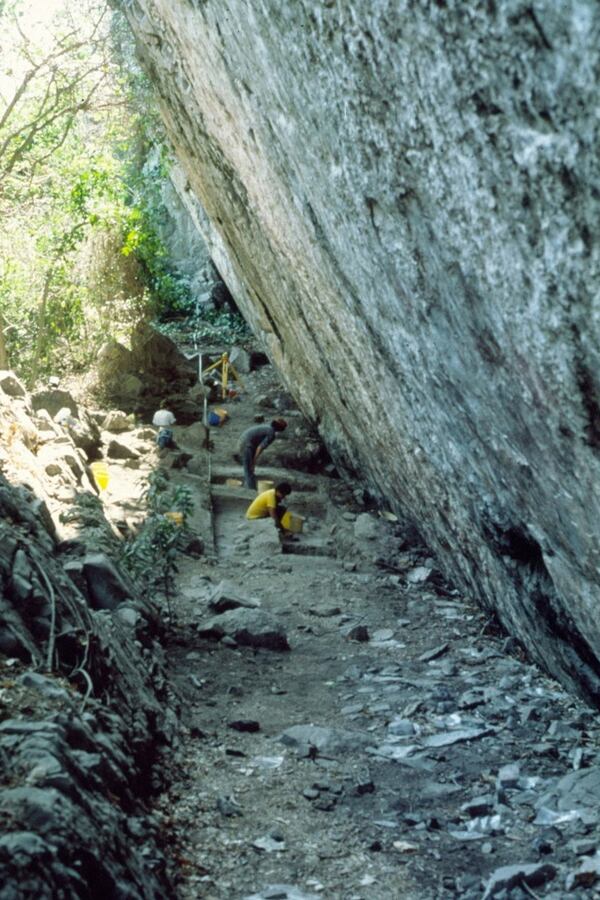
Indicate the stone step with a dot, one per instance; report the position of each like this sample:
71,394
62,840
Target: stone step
300,481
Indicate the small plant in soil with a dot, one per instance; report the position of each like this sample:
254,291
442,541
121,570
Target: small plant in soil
151,556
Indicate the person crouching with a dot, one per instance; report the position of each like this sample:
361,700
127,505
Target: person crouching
269,503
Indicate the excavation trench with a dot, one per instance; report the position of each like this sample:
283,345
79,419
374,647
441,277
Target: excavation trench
401,748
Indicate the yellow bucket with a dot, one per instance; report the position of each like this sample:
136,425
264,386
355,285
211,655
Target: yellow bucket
264,485
292,522
101,475
175,517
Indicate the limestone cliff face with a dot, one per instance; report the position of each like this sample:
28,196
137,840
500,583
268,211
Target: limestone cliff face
404,199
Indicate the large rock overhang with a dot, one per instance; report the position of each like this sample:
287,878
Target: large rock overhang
404,200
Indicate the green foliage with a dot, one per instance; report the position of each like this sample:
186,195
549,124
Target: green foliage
151,557
80,207
208,326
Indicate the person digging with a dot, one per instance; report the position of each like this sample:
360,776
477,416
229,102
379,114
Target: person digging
269,503
252,443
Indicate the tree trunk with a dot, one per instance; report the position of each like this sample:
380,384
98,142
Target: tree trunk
3,354
40,343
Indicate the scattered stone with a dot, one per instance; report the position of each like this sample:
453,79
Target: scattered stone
228,807
583,846
364,787
467,882
508,776
382,635
358,633
281,892
269,844
401,727
117,450
479,806
405,847
324,611
268,762
586,875
228,641
446,739
314,740
366,527
419,575
430,655
562,730
127,616
310,793
577,789
471,699
532,874
248,628
228,595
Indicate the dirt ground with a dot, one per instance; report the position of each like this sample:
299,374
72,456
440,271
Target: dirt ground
406,705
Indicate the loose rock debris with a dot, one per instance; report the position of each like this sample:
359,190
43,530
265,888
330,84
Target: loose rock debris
427,759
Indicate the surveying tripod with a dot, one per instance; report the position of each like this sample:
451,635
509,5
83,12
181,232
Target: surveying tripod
227,369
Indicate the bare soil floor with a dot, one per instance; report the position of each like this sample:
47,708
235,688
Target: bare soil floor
402,748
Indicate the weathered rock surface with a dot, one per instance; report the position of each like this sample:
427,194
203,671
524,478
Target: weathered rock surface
134,378
77,745
406,198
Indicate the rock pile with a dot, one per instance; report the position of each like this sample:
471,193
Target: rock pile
78,743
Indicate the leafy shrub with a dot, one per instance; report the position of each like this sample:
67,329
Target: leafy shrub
151,556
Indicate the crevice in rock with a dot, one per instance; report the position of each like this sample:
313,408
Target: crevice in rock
589,393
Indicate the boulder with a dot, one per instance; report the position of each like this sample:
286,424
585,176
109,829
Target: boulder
106,586
240,359
130,388
248,628
83,431
11,385
113,361
117,450
156,354
117,421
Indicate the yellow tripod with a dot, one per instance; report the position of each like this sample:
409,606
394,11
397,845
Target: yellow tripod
227,369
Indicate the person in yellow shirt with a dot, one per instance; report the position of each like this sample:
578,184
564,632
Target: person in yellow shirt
269,503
